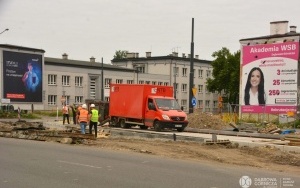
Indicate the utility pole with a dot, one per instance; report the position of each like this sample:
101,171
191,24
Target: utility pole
191,107
102,80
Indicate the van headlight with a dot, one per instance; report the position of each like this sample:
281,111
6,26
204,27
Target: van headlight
165,117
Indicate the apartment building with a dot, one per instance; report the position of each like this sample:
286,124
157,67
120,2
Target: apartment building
177,72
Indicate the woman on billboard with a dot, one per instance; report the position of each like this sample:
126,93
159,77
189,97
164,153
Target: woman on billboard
254,90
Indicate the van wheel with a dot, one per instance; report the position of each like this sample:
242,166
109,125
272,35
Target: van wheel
123,124
143,127
157,126
114,122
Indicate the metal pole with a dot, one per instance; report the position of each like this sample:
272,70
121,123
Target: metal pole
191,108
102,80
175,74
4,31
137,76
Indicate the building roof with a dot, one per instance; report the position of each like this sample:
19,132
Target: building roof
85,64
169,57
289,34
14,47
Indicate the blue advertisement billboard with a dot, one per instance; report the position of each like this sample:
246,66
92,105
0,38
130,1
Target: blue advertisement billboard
22,76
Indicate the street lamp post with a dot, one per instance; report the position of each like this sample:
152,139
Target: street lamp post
175,84
4,31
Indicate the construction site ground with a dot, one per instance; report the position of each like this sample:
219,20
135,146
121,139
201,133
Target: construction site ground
265,157
268,158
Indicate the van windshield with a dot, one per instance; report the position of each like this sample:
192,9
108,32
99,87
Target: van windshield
167,104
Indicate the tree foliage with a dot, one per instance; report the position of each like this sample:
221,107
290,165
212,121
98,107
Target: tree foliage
120,54
226,75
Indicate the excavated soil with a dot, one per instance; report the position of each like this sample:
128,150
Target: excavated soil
203,120
268,158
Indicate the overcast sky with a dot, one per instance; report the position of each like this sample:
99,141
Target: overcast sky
86,28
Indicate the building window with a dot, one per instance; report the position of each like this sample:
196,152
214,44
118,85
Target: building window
78,81
183,104
119,81
215,104
67,97
78,99
52,79
129,81
52,100
140,69
200,104
166,83
160,83
107,82
176,71
93,88
147,82
141,81
153,83
184,87
106,99
200,88
200,73
66,80
184,72
207,104
208,73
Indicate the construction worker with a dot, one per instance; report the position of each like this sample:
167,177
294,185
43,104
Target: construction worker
65,112
94,116
83,118
74,113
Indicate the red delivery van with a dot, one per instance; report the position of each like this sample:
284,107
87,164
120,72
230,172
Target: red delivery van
146,106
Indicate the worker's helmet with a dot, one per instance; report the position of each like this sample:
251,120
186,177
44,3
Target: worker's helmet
84,106
92,106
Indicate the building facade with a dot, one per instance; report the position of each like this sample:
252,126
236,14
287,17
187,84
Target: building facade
177,72
63,80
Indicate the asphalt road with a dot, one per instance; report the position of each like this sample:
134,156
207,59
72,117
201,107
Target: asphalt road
34,164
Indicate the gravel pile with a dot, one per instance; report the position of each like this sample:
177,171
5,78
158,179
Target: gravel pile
204,120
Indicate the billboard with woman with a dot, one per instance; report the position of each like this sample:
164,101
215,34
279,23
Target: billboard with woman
269,77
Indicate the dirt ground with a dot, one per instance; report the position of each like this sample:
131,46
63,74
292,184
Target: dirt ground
265,158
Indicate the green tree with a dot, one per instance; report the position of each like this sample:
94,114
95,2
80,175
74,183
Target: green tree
226,75
120,54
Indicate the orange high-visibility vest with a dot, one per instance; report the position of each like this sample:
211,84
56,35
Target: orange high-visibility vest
83,116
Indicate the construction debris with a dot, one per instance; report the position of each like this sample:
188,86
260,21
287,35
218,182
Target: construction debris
294,139
269,128
36,131
210,142
103,134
